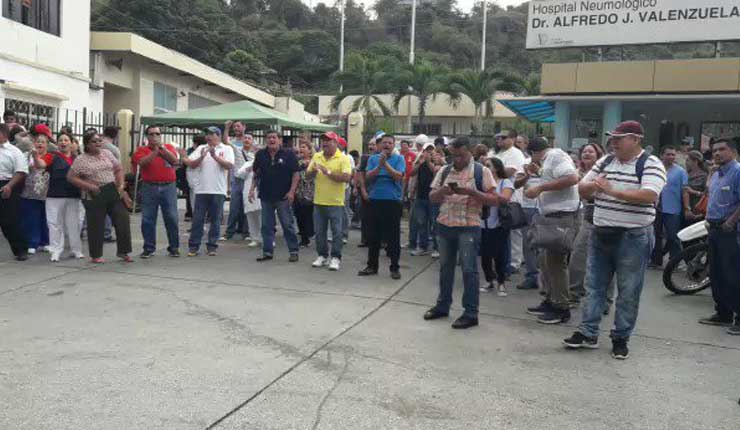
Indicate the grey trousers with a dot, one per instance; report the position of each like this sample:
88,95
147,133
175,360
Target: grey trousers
577,266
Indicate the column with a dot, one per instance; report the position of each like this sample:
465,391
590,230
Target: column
611,118
355,126
562,125
125,141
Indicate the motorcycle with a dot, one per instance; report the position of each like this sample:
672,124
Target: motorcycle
688,273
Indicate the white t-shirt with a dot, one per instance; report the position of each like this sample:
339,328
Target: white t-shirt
556,165
513,158
532,181
12,160
212,178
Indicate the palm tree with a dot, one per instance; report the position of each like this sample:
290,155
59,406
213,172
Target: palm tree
520,85
423,80
480,86
366,78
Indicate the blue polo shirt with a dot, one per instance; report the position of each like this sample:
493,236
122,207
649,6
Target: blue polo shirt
724,192
671,198
275,173
384,187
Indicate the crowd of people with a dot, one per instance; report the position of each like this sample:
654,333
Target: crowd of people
582,228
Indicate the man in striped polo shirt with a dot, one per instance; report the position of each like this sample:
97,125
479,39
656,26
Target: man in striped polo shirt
625,187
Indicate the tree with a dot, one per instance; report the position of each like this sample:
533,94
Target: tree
423,80
366,78
480,87
520,85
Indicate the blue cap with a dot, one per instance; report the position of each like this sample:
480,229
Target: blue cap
379,134
213,129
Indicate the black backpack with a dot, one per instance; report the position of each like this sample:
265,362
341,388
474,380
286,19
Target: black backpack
478,175
639,167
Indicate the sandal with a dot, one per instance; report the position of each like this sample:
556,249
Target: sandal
126,258
99,260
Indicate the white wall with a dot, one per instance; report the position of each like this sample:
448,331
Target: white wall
47,63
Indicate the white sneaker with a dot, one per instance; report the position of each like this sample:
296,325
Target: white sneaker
435,254
344,241
319,262
31,251
78,256
253,244
502,290
419,252
54,257
335,264
44,249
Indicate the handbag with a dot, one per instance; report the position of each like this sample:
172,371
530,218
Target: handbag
701,205
511,216
555,234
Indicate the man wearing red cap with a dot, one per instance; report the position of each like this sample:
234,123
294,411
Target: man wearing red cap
332,171
625,187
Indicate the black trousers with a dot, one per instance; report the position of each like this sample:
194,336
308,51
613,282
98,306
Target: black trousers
724,273
494,248
364,223
304,219
95,216
384,226
9,223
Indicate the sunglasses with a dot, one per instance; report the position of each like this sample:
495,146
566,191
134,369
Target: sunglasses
154,134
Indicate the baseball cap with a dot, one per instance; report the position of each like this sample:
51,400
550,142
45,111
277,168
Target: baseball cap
379,135
213,129
421,139
428,145
341,142
627,128
331,136
41,129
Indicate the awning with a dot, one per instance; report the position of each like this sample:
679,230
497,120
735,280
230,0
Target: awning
534,111
251,114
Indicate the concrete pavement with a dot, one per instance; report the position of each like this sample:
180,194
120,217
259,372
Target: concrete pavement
227,343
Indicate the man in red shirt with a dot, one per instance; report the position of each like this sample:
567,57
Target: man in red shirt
158,162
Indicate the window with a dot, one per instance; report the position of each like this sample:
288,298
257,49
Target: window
29,114
40,14
165,98
195,102
428,129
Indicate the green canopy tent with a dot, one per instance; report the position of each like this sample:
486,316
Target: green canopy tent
250,113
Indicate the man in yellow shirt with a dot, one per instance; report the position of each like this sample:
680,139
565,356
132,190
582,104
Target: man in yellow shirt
333,171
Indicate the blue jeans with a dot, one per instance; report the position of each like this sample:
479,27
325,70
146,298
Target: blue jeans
325,217
32,217
464,241
671,226
237,218
285,214
624,252
434,214
422,215
152,198
530,252
213,204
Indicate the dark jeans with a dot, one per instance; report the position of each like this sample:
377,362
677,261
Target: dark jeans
154,197
413,227
494,242
422,217
465,243
325,218
10,224
624,252
384,225
434,214
33,219
364,223
237,222
304,218
285,215
724,271
211,205
96,215
666,227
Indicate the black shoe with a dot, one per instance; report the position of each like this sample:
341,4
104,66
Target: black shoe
717,319
395,275
368,271
109,239
540,309
264,258
619,349
293,258
465,322
362,245
527,285
555,316
174,253
22,257
434,314
146,255
579,340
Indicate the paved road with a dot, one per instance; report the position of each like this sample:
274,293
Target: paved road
226,343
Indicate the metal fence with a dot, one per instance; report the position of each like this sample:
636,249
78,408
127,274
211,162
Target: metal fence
76,121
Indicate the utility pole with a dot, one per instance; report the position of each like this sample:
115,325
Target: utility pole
483,44
341,42
411,58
